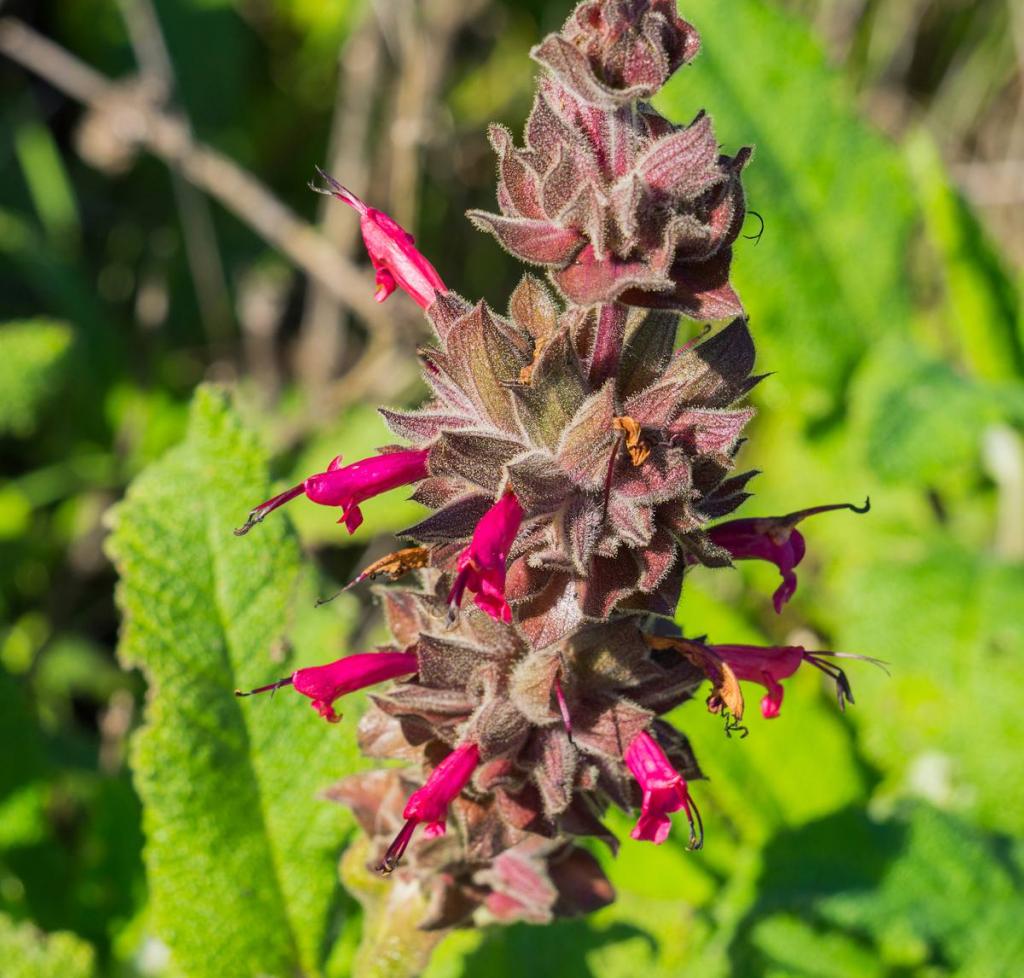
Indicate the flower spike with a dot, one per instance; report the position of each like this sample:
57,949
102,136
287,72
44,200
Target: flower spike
775,539
348,486
481,566
430,803
392,250
575,459
665,791
324,684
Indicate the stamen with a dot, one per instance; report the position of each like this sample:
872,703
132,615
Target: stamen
696,838
831,508
335,189
844,692
269,688
732,723
397,848
756,238
259,514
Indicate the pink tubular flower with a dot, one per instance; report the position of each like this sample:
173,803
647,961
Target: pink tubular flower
347,486
768,665
775,539
324,684
481,566
430,803
664,790
392,250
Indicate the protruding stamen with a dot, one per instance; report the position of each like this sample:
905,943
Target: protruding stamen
397,848
259,514
696,837
830,508
756,238
269,688
844,692
335,189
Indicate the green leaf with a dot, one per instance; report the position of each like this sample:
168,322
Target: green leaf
984,306
791,942
920,888
829,273
240,854
28,953
32,353
924,422
951,627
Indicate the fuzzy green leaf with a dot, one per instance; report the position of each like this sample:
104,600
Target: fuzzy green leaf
240,854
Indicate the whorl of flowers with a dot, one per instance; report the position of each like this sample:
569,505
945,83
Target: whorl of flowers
576,462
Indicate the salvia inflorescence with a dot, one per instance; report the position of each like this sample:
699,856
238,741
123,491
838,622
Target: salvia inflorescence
577,464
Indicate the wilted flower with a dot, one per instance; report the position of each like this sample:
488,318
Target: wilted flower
347,486
768,665
392,250
324,684
665,791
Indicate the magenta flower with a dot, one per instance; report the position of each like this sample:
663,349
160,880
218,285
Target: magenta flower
324,684
775,539
348,486
481,566
664,790
392,250
768,665
430,803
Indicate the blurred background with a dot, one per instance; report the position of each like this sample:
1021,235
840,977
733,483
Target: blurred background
156,231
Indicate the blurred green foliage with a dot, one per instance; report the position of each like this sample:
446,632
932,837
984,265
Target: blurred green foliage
885,842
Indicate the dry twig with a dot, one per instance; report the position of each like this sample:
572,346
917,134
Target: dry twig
132,120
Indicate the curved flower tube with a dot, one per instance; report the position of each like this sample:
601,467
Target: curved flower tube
482,565
348,486
665,791
774,539
392,250
429,804
324,684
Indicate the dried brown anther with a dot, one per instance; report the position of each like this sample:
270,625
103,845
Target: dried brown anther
639,450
